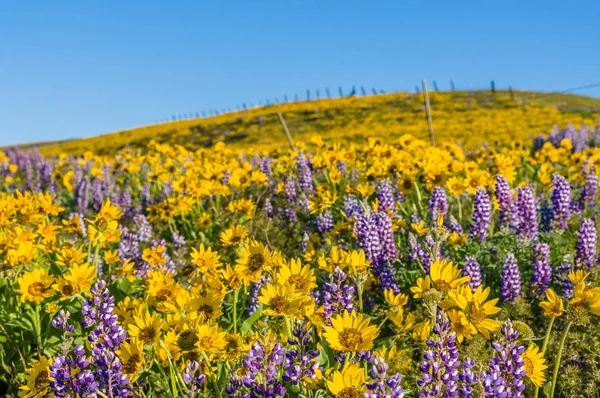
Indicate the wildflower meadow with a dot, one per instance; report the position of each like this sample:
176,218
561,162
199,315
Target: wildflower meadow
374,267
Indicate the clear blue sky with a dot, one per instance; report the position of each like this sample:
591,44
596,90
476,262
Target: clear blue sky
82,68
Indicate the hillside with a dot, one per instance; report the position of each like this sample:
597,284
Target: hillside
466,117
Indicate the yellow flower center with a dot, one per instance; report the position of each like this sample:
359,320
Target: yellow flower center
187,340
234,240
36,289
67,290
131,366
206,310
474,313
442,286
279,304
147,334
205,342
349,392
41,380
255,262
298,281
350,338
163,295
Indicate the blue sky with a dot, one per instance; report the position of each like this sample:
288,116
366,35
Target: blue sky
82,68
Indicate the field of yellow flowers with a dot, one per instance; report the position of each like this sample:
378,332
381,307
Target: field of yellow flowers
470,118
381,267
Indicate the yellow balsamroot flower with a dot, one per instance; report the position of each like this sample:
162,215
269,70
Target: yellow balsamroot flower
476,309
358,263
554,306
254,258
126,309
35,286
207,308
205,259
108,212
456,186
231,278
23,253
419,228
81,276
578,277
349,383
534,364
350,332
422,330
233,236
210,339
37,381
111,257
131,354
337,258
234,347
395,301
443,277
70,254
461,325
65,288
281,300
167,347
303,279
146,327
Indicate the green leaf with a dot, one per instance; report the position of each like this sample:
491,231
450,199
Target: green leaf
547,388
247,324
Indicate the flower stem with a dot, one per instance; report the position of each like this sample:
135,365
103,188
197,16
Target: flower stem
359,288
558,356
235,299
212,378
537,388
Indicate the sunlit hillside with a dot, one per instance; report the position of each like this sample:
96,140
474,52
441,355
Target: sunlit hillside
469,118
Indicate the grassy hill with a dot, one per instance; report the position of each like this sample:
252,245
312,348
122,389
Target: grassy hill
467,117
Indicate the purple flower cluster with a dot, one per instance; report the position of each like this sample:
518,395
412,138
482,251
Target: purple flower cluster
193,379
416,252
527,214
289,188
382,384
305,176
561,202
511,279
585,254
337,295
542,272
504,377
473,270
324,222
505,201
385,196
438,203
562,277
300,362
261,366
482,215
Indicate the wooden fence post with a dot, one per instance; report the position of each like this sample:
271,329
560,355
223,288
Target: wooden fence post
428,111
512,95
435,86
493,87
362,90
340,91
286,131
308,95
327,92
452,85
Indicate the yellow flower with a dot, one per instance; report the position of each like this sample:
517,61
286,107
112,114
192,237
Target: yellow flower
358,263
554,307
281,300
206,308
254,257
81,276
419,228
350,332
146,327
476,309
534,364
168,348
65,288
422,330
349,383
461,325
210,339
301,278
131,354
24,252
233,236
231,277
205,259
35,286
37,381
444,276
108,212
456,186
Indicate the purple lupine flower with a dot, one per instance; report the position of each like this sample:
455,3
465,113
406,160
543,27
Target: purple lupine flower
142,228
352,207
146,196
562,278
545,217
504,376
440,366
337,295
253,306
368,237
561,202
590,187
268,208
385,196
383,385
193,379
305,177
324,222
438,203
300,361
585,255
416,252
505,201
482,215
527,210
305,240
98,194
473,270
265,166
467,378
291,214
289,187
303,202
511,279
262,364
386,236
342,168
542,272
453,225
225,178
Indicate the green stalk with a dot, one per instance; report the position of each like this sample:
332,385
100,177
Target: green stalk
359,288
459,205
537,388
558,356
38,329
212,379
235,300
95,263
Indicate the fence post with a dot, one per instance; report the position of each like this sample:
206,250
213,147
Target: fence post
512,95
428,111
286,131
327,92
362,91
452,85
308,95
435,86
417,89
340,91
493,86
285,99
318,94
